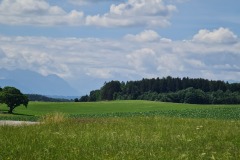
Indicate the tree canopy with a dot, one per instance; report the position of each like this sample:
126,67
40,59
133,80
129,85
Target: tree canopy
169,89
13,98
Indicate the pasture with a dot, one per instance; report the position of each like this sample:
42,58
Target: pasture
122,109
123,130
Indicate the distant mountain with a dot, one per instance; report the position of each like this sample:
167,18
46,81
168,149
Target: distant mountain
34,83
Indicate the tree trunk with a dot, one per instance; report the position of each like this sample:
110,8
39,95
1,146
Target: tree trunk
10,110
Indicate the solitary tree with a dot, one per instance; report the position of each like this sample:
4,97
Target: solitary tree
13,98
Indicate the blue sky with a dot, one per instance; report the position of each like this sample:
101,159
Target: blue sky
87,42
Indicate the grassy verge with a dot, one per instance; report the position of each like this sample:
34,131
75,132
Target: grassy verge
154,137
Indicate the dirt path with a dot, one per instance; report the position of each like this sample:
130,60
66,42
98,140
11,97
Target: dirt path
16,123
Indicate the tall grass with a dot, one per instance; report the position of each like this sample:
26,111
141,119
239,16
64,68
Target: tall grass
52,118
122,138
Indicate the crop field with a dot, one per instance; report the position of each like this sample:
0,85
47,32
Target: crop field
122,130
122,109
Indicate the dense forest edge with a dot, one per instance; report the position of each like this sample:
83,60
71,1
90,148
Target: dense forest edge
41,98
168,89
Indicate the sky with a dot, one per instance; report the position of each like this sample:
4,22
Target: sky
88,42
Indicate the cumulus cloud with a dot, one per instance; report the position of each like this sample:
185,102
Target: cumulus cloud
32,12
145,36
111,59
169,64
135,12
142,59
20,54
66,57
195,63
2,54
16,7
85,2
99,72
221,35
147,13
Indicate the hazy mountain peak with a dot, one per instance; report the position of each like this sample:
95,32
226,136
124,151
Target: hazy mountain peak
32,82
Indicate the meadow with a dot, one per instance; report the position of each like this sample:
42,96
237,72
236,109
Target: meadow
122,109
123,130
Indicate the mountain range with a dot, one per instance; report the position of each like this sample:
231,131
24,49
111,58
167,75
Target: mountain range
30,82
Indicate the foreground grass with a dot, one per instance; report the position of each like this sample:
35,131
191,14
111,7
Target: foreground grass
144,138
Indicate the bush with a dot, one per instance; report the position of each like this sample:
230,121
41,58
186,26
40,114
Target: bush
196,96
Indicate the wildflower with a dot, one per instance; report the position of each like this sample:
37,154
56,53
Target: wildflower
203,154
199,127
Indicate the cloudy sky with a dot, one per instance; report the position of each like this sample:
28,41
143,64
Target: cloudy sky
87,42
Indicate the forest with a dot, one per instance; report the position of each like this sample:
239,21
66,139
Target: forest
41,98
168,89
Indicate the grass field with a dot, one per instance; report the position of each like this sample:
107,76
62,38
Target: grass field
123,109
123,138
123,130
40,108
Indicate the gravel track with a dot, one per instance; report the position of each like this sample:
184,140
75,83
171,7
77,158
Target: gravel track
16,123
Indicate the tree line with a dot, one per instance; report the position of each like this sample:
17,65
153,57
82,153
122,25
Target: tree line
168,89
42,98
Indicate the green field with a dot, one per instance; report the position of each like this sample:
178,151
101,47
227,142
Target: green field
123,109
122,130
40,108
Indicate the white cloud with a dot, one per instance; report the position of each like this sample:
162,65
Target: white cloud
85,2
221,35
2,54
16,7
145,36
165,40
19,53
134,12
142,8
32,12
195,63
170,63
71,58
147,13
142,59
104,73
